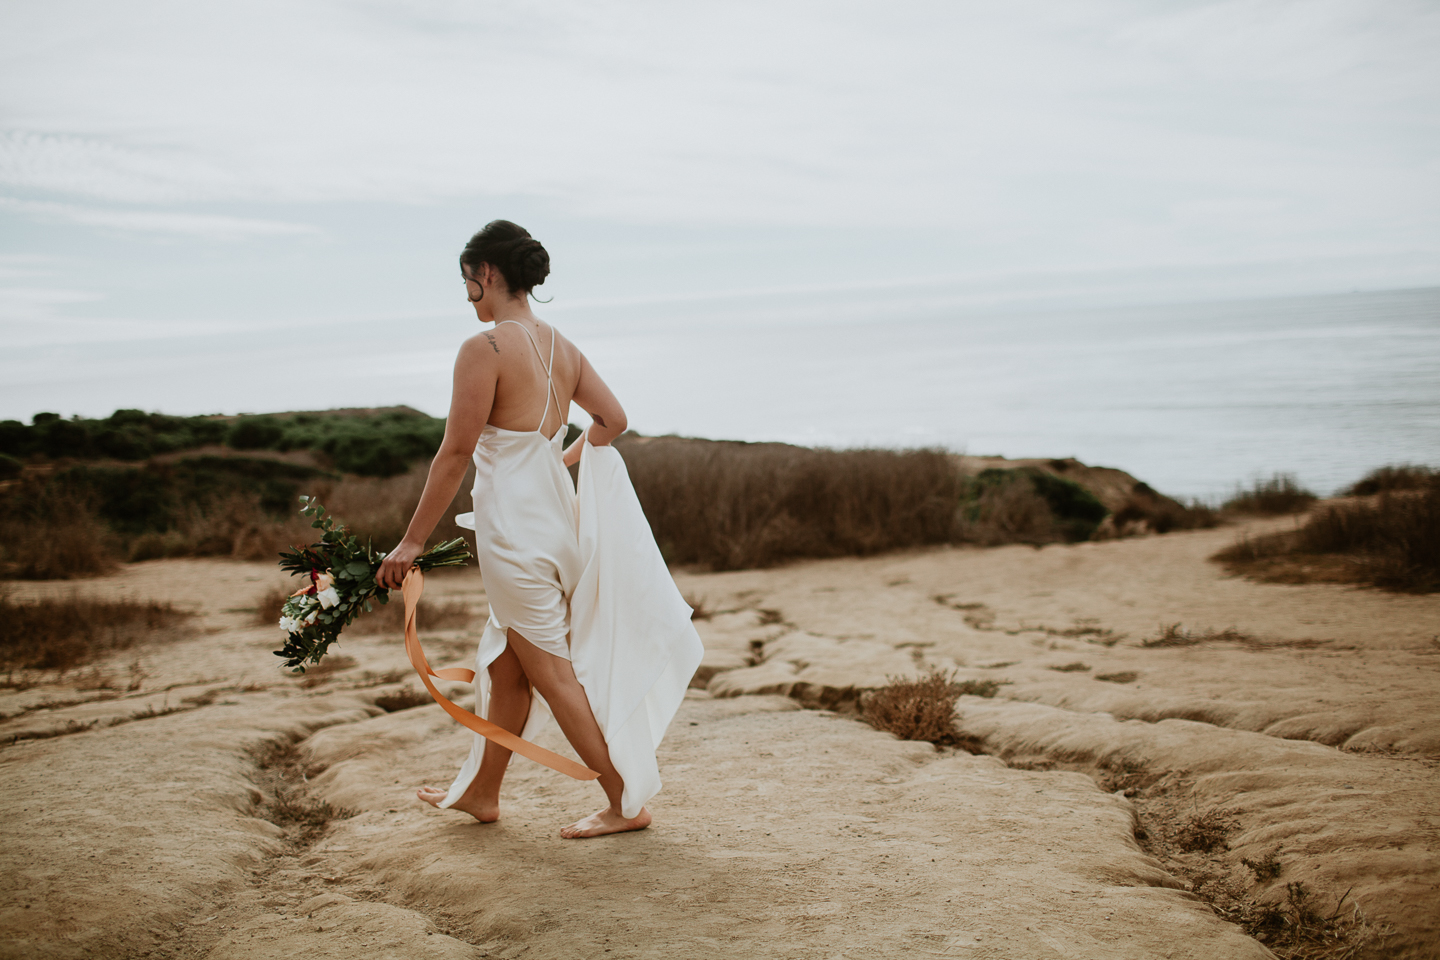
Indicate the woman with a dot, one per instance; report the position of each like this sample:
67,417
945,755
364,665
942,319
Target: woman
513,385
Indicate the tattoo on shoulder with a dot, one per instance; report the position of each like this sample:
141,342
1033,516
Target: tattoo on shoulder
598,419
493,343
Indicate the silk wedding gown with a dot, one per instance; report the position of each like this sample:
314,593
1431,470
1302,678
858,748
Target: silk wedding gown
574,569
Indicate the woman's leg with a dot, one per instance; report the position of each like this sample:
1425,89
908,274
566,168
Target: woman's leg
555,678
509,708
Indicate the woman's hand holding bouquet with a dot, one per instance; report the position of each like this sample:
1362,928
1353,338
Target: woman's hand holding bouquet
343,581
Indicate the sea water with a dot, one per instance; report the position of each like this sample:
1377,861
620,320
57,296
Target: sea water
1192,398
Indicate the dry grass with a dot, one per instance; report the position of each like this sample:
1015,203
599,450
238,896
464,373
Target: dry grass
730,505
923,708
1008,513
1280,494
1174,635
1295,927
281,774
1124,676
1392,478
1204,831
62,634
1390,541
1076,667
49,533
56,537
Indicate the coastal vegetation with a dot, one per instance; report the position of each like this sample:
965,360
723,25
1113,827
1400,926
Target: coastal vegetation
64,633
78,496
1272,497
1390,539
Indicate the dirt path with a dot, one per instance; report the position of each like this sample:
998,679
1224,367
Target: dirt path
782,832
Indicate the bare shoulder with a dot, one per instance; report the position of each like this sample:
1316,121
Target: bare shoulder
484,343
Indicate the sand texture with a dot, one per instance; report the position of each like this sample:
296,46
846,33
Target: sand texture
787,827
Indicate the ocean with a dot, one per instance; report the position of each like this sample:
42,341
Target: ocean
1191,398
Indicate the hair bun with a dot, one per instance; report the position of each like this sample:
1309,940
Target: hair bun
521,259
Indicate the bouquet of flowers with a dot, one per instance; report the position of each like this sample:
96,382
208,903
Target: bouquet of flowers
342,584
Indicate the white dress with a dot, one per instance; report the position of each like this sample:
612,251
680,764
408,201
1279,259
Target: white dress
574,569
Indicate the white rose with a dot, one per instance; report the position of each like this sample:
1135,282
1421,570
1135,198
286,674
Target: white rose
288,624
328,597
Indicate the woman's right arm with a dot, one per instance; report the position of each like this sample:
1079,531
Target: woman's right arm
595,398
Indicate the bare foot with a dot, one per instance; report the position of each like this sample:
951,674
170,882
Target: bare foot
606,821
484,812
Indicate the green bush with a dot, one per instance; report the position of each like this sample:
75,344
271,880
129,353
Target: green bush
1032,505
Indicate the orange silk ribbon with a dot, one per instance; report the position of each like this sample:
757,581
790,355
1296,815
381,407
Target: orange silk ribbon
412,587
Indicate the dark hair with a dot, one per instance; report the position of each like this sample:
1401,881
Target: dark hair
509,248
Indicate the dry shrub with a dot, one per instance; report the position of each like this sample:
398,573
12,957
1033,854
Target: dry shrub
61,634
54,536
1154,513
922,708
730,505
1009,513
1278,495
1124,676
1076,667
1174,635
1204,831
1392,478
1391,541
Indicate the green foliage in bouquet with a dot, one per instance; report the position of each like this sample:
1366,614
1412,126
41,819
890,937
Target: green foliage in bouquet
342,584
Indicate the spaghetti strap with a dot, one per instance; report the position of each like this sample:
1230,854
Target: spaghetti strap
549,372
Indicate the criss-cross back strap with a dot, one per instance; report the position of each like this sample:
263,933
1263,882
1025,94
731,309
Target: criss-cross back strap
549,372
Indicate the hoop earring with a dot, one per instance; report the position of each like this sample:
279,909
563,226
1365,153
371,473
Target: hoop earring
538,300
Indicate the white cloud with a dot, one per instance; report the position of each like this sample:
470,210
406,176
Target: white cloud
209,226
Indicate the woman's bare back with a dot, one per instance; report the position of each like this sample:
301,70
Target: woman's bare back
520,386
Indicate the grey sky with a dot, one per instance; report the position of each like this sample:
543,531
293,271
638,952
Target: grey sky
180,169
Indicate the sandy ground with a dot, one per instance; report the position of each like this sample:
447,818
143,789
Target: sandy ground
782,831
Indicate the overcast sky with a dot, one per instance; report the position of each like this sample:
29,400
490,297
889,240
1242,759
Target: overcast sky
176,169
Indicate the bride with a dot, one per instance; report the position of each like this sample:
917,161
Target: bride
513,386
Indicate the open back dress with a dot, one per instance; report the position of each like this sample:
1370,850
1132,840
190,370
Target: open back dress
574,569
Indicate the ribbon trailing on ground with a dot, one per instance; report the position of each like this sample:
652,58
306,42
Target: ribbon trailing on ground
412,587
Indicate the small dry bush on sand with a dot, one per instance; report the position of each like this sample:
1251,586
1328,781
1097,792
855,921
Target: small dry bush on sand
1204,831
1280,494
1390,541
61,634
1174,635
731,505
922,708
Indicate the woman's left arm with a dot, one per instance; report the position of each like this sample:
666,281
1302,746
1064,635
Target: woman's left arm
470,403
